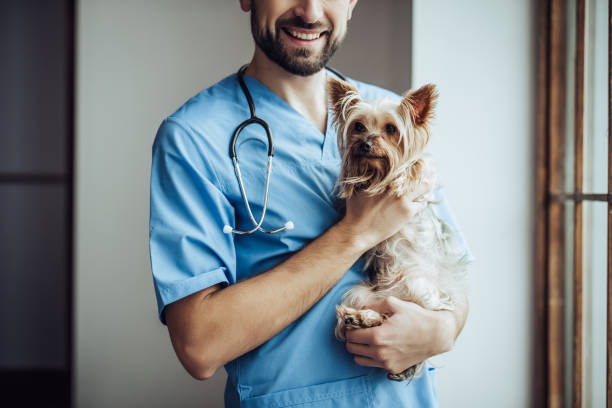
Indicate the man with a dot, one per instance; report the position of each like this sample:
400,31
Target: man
262,305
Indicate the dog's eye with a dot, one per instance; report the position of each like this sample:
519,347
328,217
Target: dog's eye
390,129
359,127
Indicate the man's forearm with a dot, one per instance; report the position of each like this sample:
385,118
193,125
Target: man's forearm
211,329
451,324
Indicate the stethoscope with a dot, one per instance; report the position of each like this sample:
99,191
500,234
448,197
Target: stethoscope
256,121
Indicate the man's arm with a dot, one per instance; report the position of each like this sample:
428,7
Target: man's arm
214,326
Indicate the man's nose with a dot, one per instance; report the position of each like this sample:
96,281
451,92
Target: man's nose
310,11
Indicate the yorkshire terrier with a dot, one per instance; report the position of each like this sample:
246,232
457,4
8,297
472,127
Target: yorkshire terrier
382,147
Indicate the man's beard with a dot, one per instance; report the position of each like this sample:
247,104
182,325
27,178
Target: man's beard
299,62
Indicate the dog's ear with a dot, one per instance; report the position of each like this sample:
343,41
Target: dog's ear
342,95
419,105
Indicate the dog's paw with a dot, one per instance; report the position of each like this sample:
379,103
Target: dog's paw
351,319
340,331
408,374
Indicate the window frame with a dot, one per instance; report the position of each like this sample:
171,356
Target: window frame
550,200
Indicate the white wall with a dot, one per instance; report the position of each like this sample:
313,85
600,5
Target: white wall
481,55
140,59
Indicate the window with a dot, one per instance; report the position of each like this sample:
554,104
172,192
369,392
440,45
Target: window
574,204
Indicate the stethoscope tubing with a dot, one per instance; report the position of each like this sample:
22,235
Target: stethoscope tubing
234,156
246,201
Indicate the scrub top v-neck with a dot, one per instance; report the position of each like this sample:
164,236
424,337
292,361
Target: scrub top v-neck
194,193
328,139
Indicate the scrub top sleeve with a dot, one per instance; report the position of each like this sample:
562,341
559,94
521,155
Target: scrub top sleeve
445,214
189,251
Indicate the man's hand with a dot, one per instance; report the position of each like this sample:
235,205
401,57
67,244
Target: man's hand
372,219
410,335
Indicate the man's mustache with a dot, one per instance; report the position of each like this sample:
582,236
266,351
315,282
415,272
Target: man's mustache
298,22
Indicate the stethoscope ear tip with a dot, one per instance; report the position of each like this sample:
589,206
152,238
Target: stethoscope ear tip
227,229
289,225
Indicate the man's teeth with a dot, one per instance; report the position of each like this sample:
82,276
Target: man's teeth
303,36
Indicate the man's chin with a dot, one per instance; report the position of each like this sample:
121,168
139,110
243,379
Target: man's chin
300,64
304,54
303,68
302,61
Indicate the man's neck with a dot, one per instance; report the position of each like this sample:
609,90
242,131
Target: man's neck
306,94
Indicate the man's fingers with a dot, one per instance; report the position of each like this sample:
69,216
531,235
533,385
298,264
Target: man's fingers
412,208
369,336
388,306
368,362
360,336
360,349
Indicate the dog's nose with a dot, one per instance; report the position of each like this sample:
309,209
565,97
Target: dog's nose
365,147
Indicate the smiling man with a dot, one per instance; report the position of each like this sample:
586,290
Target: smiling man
263,305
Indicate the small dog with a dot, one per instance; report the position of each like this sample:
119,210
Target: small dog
382,145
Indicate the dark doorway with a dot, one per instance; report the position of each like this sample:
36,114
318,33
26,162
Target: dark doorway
36,196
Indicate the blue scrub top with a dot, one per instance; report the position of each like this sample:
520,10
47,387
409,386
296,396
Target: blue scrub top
194,193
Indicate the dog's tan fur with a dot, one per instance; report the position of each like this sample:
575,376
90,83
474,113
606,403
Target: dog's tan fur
422,263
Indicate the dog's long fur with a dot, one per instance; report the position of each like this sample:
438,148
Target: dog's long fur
423,263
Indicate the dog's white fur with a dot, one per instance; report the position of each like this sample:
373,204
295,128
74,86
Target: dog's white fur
423,263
